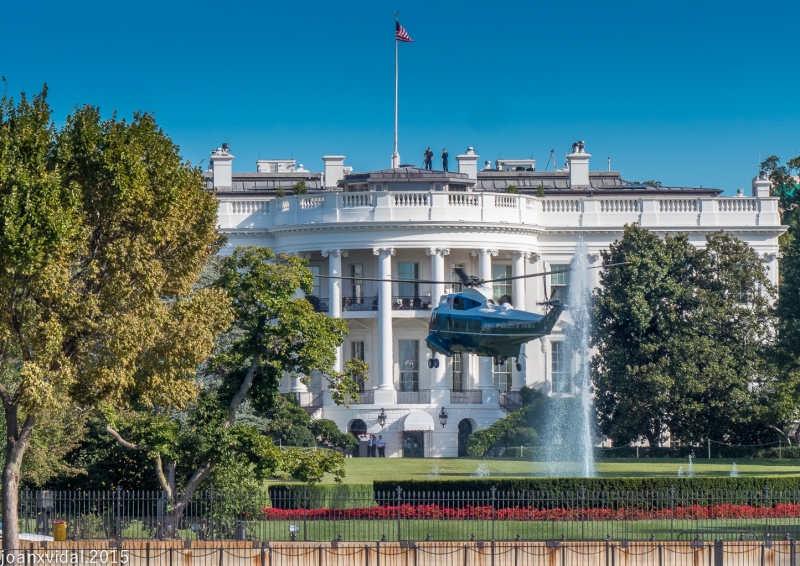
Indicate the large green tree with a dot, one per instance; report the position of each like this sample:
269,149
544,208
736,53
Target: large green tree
104,229
685,341
276,334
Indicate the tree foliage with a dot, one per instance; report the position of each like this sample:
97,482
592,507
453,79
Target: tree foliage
98,257
685,340
518,428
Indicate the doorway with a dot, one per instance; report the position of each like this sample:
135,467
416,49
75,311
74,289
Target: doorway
413,444
464,432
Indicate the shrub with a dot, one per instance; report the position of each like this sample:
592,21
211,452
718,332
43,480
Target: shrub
296,496
789,452
300,188
512,189
280,192
329,435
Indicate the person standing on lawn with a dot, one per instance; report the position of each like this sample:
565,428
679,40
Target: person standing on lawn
381,447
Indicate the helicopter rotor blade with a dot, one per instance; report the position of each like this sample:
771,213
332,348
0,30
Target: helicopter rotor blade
551,272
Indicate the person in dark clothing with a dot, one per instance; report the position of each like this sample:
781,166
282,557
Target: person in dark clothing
428,158
444,159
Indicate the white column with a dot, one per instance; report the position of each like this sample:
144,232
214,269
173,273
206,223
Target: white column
439,387
298,386
335,292
485,378
518,296
385,391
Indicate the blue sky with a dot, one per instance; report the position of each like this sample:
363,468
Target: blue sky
689,93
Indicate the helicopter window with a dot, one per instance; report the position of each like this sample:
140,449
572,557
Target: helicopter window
464,304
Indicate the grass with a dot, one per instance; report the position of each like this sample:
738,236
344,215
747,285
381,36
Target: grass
366,470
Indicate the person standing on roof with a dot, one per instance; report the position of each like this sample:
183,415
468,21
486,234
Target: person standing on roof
444,160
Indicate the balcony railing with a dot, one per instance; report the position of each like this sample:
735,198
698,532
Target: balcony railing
237,213
351,304
509,401
364,398
309,400
421,397
400,303
466,397
320,304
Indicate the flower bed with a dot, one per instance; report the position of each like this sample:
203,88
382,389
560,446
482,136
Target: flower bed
482,513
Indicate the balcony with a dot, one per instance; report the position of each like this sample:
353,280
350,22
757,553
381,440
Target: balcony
509,401
364,398
354,304
320,304
309,400
466,397
421,397
400,303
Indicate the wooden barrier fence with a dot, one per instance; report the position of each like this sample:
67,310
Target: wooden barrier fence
406,553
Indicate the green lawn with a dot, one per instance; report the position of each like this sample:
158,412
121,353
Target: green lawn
366,470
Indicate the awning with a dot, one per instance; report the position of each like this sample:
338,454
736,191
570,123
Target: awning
418,420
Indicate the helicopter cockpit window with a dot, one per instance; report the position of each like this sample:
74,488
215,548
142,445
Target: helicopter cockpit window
464,304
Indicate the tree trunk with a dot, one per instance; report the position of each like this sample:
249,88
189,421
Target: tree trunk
16,443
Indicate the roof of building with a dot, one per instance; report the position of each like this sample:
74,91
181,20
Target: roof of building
401,174
267,183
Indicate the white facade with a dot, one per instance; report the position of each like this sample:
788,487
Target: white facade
408,223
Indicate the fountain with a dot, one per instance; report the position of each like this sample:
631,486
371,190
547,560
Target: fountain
569,437
482,471
734,472
680,471
434,473
690,467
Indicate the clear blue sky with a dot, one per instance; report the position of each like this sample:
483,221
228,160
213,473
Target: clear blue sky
688,93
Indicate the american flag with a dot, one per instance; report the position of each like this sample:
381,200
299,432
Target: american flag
401,34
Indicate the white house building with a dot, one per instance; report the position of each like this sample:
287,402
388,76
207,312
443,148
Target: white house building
409,223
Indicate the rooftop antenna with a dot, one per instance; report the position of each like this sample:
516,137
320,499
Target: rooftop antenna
548,160
609,165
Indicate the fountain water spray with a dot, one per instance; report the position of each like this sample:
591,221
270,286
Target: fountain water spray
569,433
690,472
734,472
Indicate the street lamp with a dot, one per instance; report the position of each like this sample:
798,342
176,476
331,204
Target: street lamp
382,418
443,417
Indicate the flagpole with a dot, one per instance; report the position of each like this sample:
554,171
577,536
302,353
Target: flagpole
395,155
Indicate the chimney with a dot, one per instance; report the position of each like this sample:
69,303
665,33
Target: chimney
578,162
222,167
468,163
334,169
761,185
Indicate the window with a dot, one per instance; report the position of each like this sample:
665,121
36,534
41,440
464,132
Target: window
408,271
559,283
558,365
502,376
464,304
357,272
501,288
458,372
315,270
409,365
357,353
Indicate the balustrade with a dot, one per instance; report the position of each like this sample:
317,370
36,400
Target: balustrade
678,205
738,205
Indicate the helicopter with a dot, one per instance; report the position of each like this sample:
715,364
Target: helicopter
471,322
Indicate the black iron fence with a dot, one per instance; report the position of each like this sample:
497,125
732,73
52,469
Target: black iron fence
300,514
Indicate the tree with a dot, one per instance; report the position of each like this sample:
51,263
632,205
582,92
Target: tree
540,191
518,428
280,192
684,340
277,334
97,261
512,189
300,188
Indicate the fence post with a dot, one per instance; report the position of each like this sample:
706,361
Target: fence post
119,513
660,554
718,553
792,552
399,526
672,512
766,515
263,553
211,512
147,554
305,507
319,555
366,555
494,490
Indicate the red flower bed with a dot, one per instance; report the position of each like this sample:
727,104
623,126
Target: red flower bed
725,511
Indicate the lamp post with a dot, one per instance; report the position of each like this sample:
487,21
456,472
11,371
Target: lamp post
382,418
443,417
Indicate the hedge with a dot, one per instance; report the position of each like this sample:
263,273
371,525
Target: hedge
573,493
300,496
539,453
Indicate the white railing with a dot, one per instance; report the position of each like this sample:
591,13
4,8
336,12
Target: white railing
502,201
462,199
356,200
250,206
284,207
312,202
561,205
411,199
678,205
738,205
624,205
